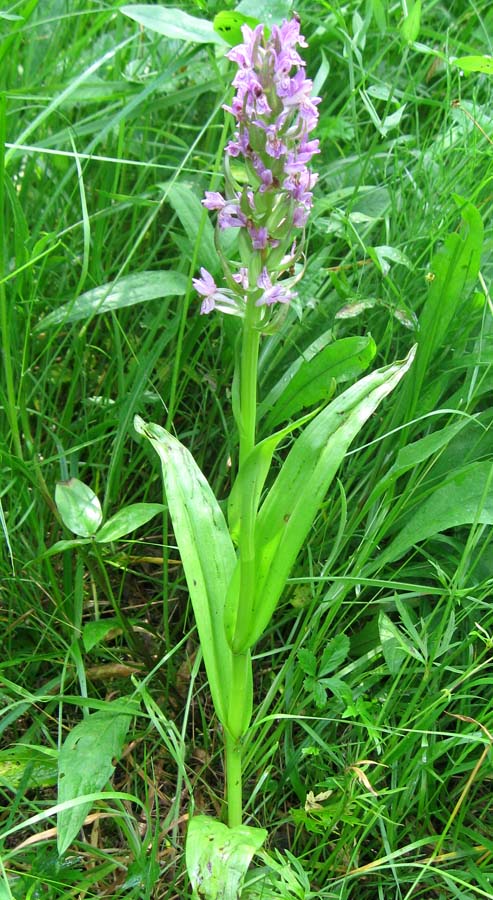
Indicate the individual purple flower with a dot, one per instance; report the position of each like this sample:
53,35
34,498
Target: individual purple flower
231,216
259,237
213,200
264,173
274,145
272,293
241,277
213,296
246,54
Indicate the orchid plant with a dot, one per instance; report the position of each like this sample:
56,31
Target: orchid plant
236,570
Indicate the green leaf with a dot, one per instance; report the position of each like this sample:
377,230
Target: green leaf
411,24
61,546
474,64
36,766
270,12
127,519
137,288
79,508
382,254
251,477
378,9
455,267
311,379
392,648
307,661
228,26
292,503
184,200
217,857
411,455
339,688
209,560
95,632
173,23
85,765
395,646
464,499
334,654
318,692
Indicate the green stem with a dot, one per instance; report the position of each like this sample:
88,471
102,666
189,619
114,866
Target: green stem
248,383
233,780
248,415
241,678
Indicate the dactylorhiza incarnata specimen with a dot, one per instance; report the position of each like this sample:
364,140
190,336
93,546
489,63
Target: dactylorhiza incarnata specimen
237,568
271,197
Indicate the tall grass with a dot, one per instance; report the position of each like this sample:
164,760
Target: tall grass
372,778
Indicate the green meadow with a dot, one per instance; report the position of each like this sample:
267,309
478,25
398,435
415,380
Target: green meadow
369,758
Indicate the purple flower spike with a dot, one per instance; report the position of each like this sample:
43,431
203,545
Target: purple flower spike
213,200
268,193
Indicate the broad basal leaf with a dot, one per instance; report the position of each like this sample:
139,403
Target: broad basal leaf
218,857
209,559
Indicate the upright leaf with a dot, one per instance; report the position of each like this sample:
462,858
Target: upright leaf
184,200
411,24
311,379
209,560
292,503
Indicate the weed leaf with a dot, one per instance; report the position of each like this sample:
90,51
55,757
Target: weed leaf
334,654
86,763
475,64
126,520
78,506
137,288
228,26
173,23
464,499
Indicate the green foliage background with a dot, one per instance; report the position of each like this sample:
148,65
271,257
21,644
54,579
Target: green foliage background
370,763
